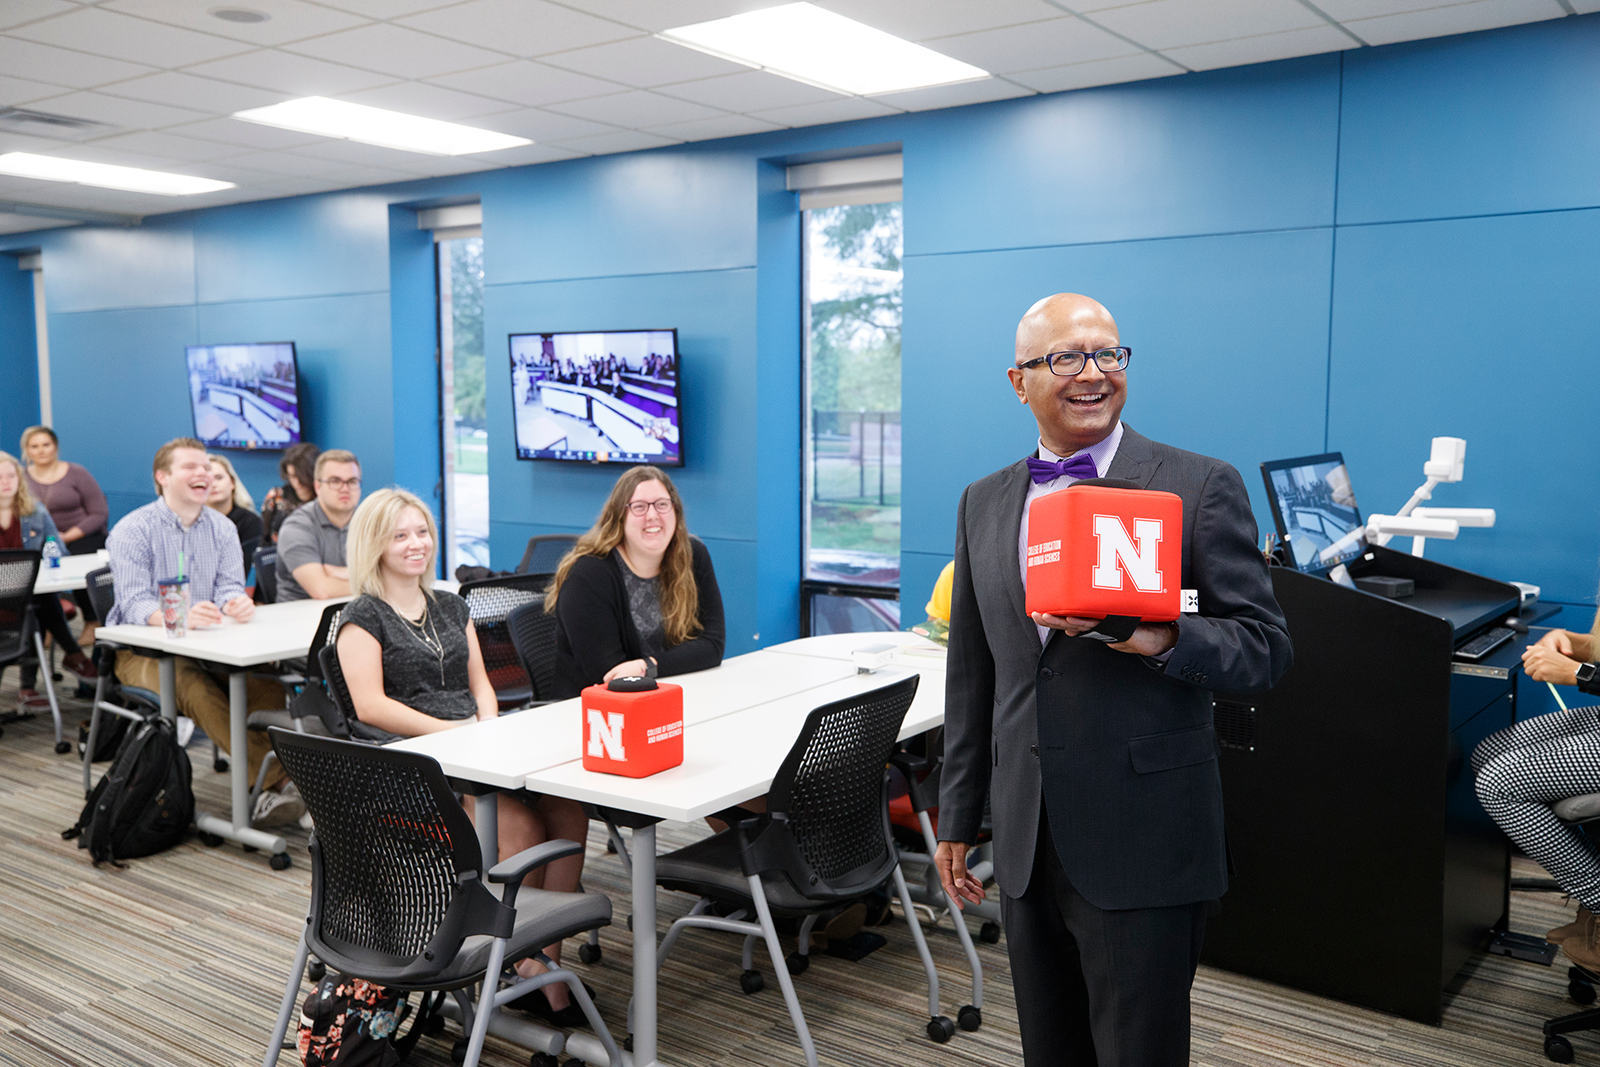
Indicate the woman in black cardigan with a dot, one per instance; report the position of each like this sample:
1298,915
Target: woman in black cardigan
636,596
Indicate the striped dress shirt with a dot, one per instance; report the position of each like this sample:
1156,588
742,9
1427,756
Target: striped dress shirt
145,549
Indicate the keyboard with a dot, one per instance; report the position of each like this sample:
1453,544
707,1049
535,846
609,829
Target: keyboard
1485,643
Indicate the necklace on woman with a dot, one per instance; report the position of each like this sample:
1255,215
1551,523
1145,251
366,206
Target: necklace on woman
420,630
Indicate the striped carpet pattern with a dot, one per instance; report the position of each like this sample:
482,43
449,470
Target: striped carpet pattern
180,959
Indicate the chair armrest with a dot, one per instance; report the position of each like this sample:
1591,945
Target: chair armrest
908,765
743,818
517,867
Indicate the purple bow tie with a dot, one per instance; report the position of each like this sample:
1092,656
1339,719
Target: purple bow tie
1079,466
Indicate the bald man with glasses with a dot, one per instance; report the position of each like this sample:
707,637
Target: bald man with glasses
1101,758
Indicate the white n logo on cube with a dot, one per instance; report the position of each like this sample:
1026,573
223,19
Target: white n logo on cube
605,734
1115,553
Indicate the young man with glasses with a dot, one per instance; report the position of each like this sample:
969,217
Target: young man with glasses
1101,758
311,540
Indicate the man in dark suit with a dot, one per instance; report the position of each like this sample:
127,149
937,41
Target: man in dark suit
1101,758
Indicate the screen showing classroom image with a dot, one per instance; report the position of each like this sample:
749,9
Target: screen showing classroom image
1316,510
245,396
597,397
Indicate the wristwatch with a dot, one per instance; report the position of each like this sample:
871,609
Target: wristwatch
1586,682
650,666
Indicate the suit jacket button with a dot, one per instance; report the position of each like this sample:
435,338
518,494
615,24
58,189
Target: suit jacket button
1046,672
1033,750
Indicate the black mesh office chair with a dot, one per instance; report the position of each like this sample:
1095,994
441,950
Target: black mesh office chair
111,697
823,841
310,711
491,601
19,631
544,553
267,574
533,634
400,891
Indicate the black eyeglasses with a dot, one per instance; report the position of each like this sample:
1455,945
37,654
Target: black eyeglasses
640,507
1070,364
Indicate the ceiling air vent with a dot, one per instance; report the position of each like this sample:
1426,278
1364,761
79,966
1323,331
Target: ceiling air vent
47,124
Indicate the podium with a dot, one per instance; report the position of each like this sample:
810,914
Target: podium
1365,868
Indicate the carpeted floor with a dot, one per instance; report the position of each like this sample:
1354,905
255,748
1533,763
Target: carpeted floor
180,960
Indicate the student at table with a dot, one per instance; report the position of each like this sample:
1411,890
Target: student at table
297,469
411,661
230,499
311,542
24,524
636,596
75,503
177,534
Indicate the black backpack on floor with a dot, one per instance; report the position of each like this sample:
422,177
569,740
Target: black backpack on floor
144,804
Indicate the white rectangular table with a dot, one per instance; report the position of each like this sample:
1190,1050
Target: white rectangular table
72,574
741,719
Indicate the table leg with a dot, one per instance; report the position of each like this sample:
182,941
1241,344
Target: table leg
487,809
238,827
644,945
169,688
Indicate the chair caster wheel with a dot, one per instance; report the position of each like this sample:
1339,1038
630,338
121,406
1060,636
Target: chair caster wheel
316,970
280,861
1580,992
458,1051
941,1029
989,933
63,747
752,982
589,953
969,1018
611,848
797,963
210,840
543,1059
219,765
1557,1049
435,1026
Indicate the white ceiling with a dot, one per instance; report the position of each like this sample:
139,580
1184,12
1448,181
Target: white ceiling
579,77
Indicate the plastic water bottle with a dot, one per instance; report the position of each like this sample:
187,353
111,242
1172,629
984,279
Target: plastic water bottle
51,553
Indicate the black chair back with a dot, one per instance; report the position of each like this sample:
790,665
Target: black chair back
327,628
267,574
491,602
102,590
544,553
327,657
828,822
397,878
19,569
533,633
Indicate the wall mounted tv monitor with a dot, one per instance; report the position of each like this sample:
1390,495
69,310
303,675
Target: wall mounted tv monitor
1315,509
245,396
597,397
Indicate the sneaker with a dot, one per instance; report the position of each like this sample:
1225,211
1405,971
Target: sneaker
79,664
30,699
275,808
185,730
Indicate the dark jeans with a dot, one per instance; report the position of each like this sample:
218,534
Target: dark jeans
47,610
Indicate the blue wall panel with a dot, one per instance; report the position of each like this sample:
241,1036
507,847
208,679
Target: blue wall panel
306,246
19,355
96,268
1432,325
414,329
1477,124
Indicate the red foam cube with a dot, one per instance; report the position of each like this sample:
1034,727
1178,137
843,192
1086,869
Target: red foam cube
1097,550
632,734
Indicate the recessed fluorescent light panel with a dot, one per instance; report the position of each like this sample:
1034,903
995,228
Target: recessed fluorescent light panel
818,47
56,169
374,125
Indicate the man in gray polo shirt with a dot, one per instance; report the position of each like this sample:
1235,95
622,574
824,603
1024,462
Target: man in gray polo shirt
311,540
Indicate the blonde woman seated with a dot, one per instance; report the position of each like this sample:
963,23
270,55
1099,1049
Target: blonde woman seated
411,660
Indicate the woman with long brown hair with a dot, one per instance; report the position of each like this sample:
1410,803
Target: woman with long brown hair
637,595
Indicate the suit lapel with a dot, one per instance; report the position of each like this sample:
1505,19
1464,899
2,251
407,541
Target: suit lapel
1009,528
1135,459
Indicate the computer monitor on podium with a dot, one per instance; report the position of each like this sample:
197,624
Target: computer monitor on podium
1314,507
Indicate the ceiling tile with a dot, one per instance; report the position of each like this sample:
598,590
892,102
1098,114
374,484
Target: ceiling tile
429,101
752,90
1099,72
96,153
192,91
286,72
1345,10
1585,7
396,50
439,166
287,20
1038,44
166,146
386,9
843,109
58,66
1458,18
644,62
621,141
707,129
17,12
527,83
290,164
356,176
106,33
356,154
129,114
521,27
28,223
658,15
1164,24
20,91
21,142
1262,49
523,155
976,92
244,134
636,109
537,124
927,19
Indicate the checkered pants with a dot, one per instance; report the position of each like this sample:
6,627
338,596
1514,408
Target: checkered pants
1524,769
